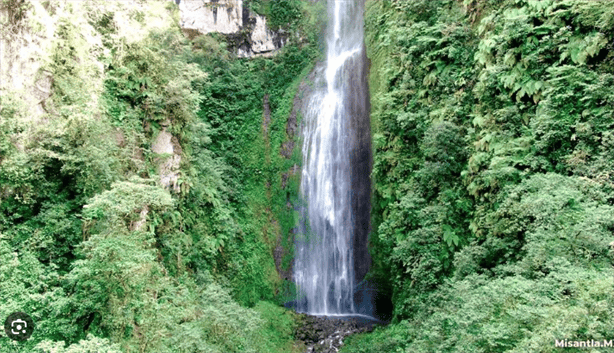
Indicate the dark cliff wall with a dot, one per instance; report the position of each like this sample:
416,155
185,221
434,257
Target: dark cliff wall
357,100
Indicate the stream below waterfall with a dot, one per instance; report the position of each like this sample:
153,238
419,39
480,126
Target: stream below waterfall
325,334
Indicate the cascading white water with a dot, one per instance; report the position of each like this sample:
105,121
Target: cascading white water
324,267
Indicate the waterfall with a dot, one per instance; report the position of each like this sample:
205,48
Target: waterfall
331,247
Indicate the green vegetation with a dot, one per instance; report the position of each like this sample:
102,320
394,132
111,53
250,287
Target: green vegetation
281,14
92,245
493,201
493,176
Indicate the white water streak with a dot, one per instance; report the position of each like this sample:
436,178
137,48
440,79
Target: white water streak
324,268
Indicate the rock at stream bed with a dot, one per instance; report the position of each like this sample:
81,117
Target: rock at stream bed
326,334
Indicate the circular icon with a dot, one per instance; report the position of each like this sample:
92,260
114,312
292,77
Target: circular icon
19,326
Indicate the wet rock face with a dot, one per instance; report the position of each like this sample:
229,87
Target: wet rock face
326,335
361,162
246,31
303,92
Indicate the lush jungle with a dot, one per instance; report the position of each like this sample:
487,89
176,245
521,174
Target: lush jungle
493,178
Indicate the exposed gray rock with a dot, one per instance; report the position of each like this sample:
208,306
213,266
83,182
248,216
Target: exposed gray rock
26,46
262,38
41,90
168,162
206,16
138,225
325,334
247,32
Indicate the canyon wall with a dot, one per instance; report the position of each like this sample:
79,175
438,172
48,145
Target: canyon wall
247,31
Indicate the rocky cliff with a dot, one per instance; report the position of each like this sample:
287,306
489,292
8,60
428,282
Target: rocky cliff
31,37
247,31
30,34
36,34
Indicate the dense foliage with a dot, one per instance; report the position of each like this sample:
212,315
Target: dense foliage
493,207
281,14
92,245
494,196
